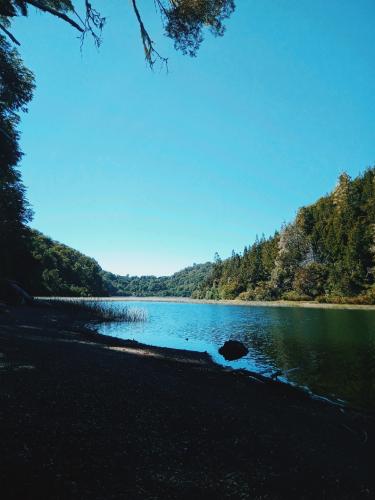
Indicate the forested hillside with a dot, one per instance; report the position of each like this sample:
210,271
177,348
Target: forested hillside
56,269
47,267
327,253
180,284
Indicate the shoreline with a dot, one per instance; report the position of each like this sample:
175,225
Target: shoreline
90,416
234,302
259,375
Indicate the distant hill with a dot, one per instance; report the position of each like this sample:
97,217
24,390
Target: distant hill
57,269
180,284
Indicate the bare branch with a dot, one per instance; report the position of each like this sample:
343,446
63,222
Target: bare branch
93,23
56,13
9,34
151,53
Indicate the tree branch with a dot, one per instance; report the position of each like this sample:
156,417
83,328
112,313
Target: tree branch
56,13
9,34
148,44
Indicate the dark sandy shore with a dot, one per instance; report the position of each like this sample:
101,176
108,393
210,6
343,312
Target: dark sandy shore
89,417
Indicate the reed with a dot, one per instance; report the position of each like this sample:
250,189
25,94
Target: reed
99,311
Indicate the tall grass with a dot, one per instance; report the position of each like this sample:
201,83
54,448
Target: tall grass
99,311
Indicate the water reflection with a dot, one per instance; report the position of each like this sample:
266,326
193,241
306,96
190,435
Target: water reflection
334,350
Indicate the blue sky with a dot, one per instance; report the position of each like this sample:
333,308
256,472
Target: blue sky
149,172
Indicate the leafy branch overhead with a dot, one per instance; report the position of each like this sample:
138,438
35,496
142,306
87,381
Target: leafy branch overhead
184,21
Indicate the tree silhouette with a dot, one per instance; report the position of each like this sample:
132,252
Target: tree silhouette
16,87
184,21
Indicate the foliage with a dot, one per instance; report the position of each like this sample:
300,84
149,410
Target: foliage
327,253
310,279
180,284
16,87
295,296
56,269
246,296
99,311
184,21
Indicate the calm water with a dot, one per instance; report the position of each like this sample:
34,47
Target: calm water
334,350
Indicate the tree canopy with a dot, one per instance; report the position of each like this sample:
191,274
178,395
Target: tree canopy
184,21
16,88
180,284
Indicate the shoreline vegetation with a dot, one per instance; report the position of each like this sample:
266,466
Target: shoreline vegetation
90,416
232,302
95,311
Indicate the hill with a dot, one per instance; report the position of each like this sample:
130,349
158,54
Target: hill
51,268
180,284
57,269
327,253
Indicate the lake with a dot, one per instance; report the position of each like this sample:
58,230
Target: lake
333,350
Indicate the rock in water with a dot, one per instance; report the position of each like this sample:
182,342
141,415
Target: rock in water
232,349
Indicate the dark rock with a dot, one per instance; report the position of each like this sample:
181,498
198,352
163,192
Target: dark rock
232,349
12,293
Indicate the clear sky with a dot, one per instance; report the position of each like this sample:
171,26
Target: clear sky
149,172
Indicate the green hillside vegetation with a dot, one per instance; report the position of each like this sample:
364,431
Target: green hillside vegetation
180,284
56,269
49,268
326,254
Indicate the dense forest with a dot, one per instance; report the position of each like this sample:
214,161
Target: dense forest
326,254
180,284
56,269
46,267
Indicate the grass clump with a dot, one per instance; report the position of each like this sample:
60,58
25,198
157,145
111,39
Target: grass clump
100,311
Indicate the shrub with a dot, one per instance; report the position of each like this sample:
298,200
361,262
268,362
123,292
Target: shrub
369,296
265,291
249,295
365,298
310,280
212,294
229,291
322,299
295,296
